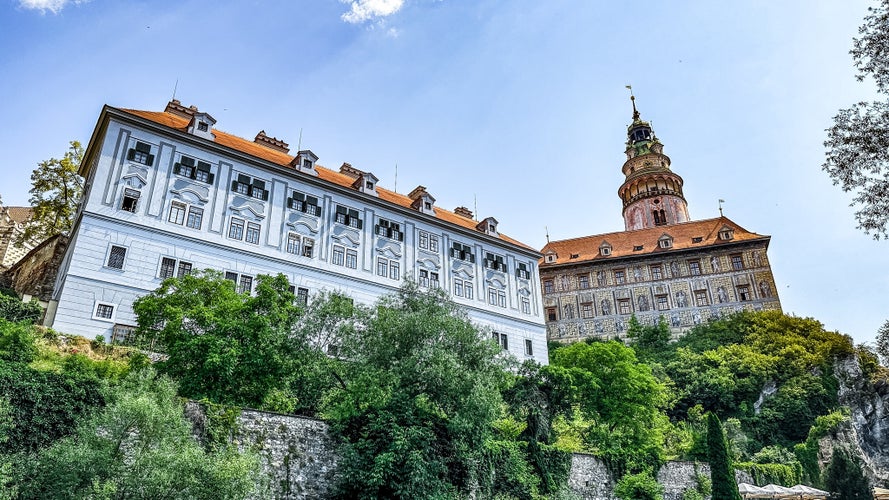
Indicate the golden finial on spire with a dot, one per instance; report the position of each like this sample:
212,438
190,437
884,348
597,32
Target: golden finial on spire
633,100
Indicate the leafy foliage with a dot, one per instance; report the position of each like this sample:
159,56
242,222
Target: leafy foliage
639,486
229,347
722,475
17,342
618,397
56,190
857,144
139,446
417,401
14,309
883,342
843,478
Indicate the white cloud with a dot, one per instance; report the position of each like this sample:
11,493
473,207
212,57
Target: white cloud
54,6
362,10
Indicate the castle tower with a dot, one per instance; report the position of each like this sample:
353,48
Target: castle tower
652,193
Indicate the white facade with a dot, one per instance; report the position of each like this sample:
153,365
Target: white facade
240,207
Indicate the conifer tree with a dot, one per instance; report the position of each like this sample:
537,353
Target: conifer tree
721,474
844,479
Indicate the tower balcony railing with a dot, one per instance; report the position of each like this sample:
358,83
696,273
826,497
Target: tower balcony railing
650,193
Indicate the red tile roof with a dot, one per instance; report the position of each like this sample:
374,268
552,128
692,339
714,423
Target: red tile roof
624,243
283,159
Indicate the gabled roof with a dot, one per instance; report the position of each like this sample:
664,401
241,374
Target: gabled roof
626,243
283,159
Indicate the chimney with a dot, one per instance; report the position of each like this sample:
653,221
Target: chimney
463,212
348,169
271,142
175,107
417,192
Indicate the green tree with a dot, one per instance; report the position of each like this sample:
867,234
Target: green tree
639,486
883,342
56,189
650,342
229,347
619,397
843,478
857,144
417,400
722,475
139,446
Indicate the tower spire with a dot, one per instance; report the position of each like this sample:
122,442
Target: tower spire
633,100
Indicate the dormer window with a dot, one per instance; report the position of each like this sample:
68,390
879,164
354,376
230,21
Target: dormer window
200,125
550,257
697,239
348,216
389,229
203,127
369,185
665,241
605,249
304,203
304,161
462,252
422,201
141,154
637,248
495,262
253,188
488,226
726,234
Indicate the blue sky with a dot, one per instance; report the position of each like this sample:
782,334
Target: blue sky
516,107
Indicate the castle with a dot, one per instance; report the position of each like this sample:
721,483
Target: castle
664,264
167,193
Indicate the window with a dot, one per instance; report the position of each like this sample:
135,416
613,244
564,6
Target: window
199,171
348,217
494,262
737,262
169,267
293,245
236,229
620,277
253,188
195,217
382,267
656,272
203,127
394,270
660,217
583,281
586,310
427,241
638,248
339,256
351,259
697,239
694,267
116,257
389,229
496,297
245,284
462,252
177,213
130,200
521,271
623,306
141,154
551,314
605,251
662,303
428,279
743,293
123,334
253,230
308,247
462,288
665,243
304,203
525,304
548,286
501,339
104,311
726,234
701,298
529,347
302,296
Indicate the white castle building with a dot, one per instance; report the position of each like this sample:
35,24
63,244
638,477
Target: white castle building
166,193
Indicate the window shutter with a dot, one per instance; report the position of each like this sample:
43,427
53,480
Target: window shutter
210,178
176,168
400,236
150,161
377,229
360,223
265,195
131,154
234,185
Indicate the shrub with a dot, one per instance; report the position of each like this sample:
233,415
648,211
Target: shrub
13,309
641,486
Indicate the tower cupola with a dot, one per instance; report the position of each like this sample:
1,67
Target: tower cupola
651,193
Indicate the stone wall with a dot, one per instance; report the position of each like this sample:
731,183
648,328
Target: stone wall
35,274
299,459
